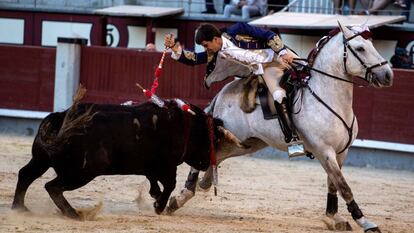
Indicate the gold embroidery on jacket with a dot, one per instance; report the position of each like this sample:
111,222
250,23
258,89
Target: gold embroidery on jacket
245,38
189,55
210,57
276,43
226,35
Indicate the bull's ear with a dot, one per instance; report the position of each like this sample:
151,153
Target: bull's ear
347,32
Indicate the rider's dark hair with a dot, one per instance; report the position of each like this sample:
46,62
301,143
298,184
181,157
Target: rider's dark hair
206,32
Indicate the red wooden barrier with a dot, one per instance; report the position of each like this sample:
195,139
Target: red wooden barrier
27,77
387,114
110,75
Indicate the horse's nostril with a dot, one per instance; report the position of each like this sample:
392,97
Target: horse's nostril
388,76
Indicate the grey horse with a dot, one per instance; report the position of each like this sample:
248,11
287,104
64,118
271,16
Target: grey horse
326,121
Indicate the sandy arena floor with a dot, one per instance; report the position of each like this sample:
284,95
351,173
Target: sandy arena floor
254,195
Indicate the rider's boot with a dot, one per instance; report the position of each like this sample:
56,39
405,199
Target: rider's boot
295,146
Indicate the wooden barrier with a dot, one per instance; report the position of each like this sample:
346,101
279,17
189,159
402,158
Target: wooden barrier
387,114
27,77
110,75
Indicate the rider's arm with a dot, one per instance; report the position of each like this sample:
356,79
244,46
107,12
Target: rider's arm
271,38
182,55
189,57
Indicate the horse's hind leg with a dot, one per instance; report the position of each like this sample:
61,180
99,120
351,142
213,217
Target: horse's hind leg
57,186
36,167
207,180
186,193
330,164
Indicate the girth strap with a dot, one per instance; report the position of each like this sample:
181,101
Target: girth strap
348,128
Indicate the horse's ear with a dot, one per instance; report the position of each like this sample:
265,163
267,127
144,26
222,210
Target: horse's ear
347,32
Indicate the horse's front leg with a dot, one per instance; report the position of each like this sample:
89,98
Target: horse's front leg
333,220
186,193
329,162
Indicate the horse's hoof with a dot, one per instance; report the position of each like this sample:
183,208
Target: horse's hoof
172,206
373,230
204,185
343,226
336,223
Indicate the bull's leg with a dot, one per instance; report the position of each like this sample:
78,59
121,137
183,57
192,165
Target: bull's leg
154,191
334,221
186,193
331,166
168,181
57,186
33,170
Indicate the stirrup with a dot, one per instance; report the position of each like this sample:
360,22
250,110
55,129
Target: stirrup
295,149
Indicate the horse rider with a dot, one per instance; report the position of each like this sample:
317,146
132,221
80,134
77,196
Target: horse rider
246,44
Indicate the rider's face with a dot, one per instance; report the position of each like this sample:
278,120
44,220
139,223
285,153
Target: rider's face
213,45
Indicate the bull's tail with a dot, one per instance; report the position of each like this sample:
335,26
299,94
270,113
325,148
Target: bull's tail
73,123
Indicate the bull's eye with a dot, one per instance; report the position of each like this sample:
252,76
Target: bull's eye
360,49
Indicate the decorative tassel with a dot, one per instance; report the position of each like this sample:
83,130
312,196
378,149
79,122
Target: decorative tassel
215,179
129,102
158,73
152,97
185,107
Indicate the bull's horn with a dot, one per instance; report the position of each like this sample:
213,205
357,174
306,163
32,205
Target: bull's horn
231,137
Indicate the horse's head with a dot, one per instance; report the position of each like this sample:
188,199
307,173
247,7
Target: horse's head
361,59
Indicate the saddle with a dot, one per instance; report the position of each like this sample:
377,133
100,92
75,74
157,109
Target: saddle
254,92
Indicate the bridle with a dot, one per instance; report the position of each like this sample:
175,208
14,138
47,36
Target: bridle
368,69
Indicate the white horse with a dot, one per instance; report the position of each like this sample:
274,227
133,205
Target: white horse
326,121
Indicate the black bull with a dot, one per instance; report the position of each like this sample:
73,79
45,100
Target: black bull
87,141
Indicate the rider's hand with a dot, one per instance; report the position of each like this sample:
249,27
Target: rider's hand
169,40
288,57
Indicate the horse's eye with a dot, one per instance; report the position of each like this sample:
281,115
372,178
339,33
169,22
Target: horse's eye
360,49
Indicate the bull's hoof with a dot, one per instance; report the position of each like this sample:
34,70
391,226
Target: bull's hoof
73,215
373,230
20,208
172,206
88,214
158,209
204,185
155,196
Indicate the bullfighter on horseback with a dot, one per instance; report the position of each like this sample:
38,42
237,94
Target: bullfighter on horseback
262,50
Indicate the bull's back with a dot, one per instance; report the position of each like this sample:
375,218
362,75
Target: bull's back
125,142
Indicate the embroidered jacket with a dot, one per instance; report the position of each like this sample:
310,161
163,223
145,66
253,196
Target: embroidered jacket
242,35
